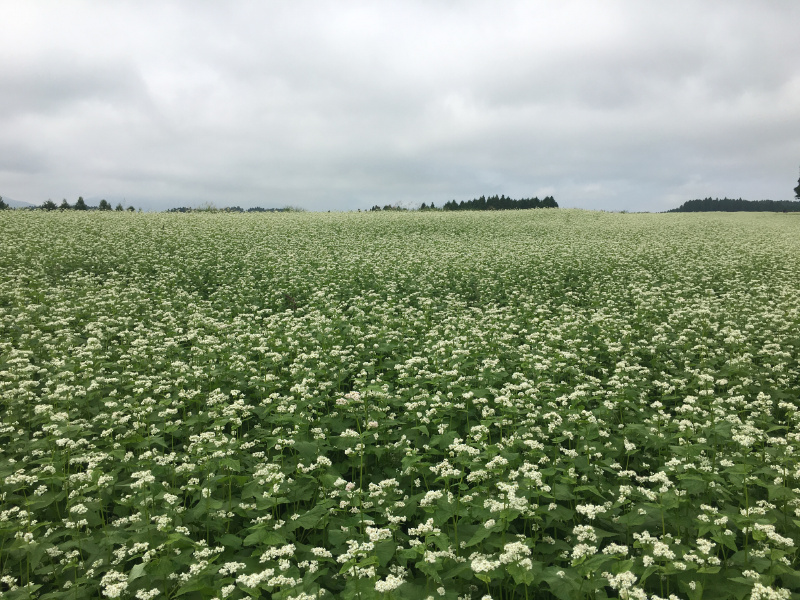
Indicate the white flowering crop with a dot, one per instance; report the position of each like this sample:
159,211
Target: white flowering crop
532,404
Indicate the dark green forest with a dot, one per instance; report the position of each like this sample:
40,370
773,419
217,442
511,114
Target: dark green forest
501,203
732,205
483,203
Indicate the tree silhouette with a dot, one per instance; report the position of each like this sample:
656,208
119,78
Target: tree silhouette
734,205
797,190
501,203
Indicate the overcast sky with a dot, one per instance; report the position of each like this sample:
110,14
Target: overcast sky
625,105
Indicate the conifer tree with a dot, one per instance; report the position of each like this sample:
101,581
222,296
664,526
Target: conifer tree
797,190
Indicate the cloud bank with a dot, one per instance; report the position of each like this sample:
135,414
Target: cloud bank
338,106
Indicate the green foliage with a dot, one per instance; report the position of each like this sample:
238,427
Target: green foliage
3,204
549,404
501,203
104,205
797,190
731,205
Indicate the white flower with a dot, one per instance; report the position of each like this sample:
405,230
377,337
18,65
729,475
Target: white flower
431,497
392,582
621,581
590,510
376,534
583,550
113,584
762,592
480,563
615,549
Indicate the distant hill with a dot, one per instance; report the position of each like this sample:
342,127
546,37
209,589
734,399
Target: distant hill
731,205
16,203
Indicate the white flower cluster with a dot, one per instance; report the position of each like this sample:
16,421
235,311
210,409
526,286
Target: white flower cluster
482,563
142,478
516,552
591,511
277,552
113,584
322,461
763,592
390,583
625,583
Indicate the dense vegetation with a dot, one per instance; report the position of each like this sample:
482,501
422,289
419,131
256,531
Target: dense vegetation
731,205
483,203
80,204
500,203
230,209
553,403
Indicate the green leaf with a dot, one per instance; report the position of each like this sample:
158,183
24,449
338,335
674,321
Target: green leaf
562,492
264,536
231,463
231,541
385,551
523,576
779,493
337,537
564,586
481,534
308,451
693,485
693,594
136,572
206,591
309,519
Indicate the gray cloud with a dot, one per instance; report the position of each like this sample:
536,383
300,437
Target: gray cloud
619,105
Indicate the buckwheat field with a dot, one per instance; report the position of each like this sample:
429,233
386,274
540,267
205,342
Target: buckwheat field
514,405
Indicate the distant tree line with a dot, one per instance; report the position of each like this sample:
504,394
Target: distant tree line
398,208
483,203
501,203
80,204
737,205
231,209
